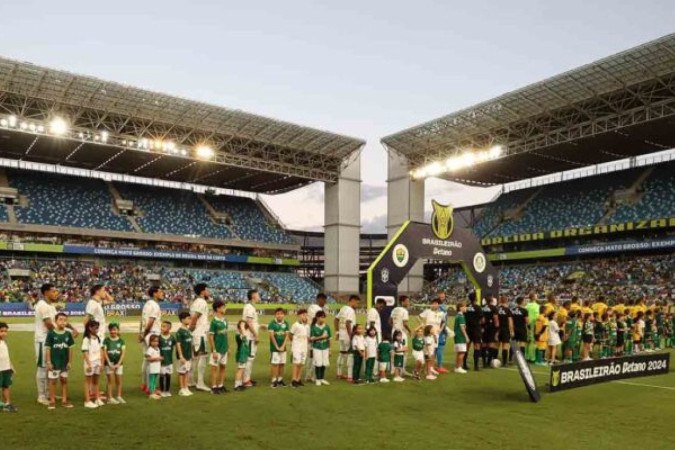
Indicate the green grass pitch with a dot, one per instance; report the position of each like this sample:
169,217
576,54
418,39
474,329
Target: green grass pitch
489,409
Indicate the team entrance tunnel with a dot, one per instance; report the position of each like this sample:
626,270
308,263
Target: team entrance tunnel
439,240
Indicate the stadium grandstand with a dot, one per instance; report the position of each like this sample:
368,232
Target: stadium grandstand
101,181
586,171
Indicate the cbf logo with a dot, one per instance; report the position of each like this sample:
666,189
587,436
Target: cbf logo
400,255
555,378
442,223
384,275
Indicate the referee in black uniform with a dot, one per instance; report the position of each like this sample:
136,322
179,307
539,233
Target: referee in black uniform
474,318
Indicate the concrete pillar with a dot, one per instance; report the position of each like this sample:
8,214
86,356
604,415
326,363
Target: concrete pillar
405,201
342,230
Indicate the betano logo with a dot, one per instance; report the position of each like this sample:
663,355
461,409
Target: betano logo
442,223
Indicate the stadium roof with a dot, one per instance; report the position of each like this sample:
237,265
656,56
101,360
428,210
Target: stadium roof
250,152
620,106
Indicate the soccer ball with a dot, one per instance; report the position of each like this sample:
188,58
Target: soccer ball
496,364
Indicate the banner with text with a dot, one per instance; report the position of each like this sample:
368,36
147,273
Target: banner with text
584,373
593,230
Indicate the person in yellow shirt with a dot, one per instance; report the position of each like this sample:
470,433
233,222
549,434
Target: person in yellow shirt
640,307
551,304
600,306
619,307
564,311
586,309
574,304
541,336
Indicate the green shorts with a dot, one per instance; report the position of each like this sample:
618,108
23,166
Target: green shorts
5,379
398,361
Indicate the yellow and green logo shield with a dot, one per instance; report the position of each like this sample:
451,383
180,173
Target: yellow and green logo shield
442,223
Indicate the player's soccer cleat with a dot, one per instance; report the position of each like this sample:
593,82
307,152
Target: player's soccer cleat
67,405
43,401
442,370
384,380
301,384
99,402
318,383
184,393
51,406
90,405
10,408
239,389
430,377
294,384
215,390
281,383
416,376
399,379
275,385
325,383
144,389
155,397
203,388
112,401
166,394
121,401
460,370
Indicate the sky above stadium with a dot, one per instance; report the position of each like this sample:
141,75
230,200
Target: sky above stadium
365,69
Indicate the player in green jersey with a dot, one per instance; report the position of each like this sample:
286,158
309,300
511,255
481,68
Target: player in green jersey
184,353
244,339
319,336
461,337
278,332
6,372
628,347
167,344
114,353
59,355
219,347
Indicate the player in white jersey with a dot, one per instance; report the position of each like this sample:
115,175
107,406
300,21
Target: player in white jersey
94,309
373,319
45,314
399,322
250,316
344,323
433,317
311,314
199,325
151,324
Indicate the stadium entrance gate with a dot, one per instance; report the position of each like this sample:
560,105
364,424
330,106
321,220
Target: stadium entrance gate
440,240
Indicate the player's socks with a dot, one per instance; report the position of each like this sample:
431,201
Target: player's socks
505,357
464,365
340,361
350,366
476,359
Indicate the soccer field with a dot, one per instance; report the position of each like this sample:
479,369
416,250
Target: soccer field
489,409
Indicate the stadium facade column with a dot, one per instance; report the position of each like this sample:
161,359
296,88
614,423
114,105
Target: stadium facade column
342,230
405,201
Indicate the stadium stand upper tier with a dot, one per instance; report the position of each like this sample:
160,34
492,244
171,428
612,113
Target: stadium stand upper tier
639,193
627,278
128,282
60,200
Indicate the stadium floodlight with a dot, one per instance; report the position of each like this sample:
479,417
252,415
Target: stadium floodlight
11,120
496,151
204,152
32,127
58,126
23,125
183,152
40,128
104,136
4,123
467,159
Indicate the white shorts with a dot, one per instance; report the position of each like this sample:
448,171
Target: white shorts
418,355
184,368
119,371
166,370
199,343
299,356
241,365
321,358
94,369
345,344
461,348
253,350
278,358
382,366
41,355
218,359
56,374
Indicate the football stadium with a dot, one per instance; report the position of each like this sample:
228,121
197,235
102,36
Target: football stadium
151,297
